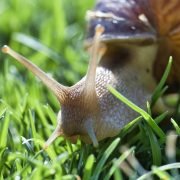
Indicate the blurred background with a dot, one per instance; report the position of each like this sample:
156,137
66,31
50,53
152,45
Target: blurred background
50,34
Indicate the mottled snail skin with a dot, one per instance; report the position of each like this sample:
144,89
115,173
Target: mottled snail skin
125,43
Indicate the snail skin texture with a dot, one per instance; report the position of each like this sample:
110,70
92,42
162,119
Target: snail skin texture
125,41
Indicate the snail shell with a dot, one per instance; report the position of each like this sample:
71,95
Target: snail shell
142,22
131,43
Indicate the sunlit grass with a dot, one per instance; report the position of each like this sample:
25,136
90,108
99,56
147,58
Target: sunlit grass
51,34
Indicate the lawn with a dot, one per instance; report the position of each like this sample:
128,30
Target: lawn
51,34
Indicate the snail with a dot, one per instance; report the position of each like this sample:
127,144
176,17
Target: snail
130,42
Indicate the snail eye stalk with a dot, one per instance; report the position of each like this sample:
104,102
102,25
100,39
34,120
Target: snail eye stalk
59,90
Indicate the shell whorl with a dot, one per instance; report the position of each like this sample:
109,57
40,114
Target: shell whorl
142,22
123,20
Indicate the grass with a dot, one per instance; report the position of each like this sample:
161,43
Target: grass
51,34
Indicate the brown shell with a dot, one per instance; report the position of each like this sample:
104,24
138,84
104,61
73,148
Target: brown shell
121,21
167,22
142,21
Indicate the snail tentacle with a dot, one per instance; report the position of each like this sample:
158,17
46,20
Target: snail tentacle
59,90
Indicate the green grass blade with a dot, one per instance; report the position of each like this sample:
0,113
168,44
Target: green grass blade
145,115
158,91
177,128
2,110
161,117
161,168
37,173
155,147
161,174
130,126
104,158
126,101
70,177
88,167
4,130
52,116
118,175
32,123
117,162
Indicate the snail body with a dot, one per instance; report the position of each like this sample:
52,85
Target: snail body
123,39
